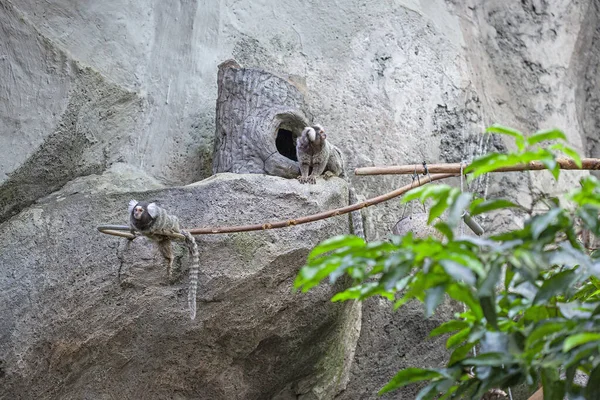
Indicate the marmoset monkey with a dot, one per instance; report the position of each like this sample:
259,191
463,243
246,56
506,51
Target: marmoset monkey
317,156
154,223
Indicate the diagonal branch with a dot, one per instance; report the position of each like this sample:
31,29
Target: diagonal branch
114,229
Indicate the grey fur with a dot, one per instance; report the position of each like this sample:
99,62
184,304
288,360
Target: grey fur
155,225
325,159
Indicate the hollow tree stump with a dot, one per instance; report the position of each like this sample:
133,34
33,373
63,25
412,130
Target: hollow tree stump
253,106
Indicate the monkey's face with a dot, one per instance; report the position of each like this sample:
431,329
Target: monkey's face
138,212
140,215
321,136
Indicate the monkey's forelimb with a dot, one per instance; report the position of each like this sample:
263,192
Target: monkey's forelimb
304,170
164,245
318,169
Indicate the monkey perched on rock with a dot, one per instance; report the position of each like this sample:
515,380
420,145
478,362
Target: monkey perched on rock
317,157
314,151
154,223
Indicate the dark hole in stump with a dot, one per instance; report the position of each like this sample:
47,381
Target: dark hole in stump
285,144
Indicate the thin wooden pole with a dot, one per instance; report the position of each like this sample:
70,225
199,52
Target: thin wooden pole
126,232
113,229
538,395
564,163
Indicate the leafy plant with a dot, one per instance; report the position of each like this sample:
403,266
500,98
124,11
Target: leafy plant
542,319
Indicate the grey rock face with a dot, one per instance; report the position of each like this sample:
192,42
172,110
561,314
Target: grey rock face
128,89
393,340
76,126
85,315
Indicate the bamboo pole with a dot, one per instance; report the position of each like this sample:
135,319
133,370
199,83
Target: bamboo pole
455,168
114,229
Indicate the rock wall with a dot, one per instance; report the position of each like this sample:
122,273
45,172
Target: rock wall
93,316
100,98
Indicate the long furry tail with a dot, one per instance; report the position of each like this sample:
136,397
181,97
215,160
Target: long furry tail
194,267
358,227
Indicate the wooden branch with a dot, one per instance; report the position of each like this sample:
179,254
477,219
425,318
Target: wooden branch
125,232
564,163
117,230
538,395
113,229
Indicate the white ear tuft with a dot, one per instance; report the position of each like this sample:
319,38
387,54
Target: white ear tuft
153,210
132,203
312,135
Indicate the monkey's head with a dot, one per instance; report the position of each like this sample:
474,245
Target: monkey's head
142,214
319,129
316,134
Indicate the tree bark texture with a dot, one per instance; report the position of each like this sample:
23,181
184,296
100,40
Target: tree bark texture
252,105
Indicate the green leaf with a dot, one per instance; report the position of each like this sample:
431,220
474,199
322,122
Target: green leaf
491,281
496,162
428,392
440,205
457,208
536,314
464,295
449,326
445,230
555,285
554,388
592,391
552,166
580,353
458,271
568,151
460,353
433,298
423,193
544,329
490,360
449,393
579,339
458,338
549,134
491,205
310,276
488,305
508,276
541,222
519,138
335,243
467,389
481,161
363,291
589,216
408,376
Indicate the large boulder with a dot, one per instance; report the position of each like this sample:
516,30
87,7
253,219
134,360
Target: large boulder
86,315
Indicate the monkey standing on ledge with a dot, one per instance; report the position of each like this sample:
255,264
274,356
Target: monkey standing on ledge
315,152
154,223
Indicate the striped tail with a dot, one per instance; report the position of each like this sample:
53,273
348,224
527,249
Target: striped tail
194,267
355,216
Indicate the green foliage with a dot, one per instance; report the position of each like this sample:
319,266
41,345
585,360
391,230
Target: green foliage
543,319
